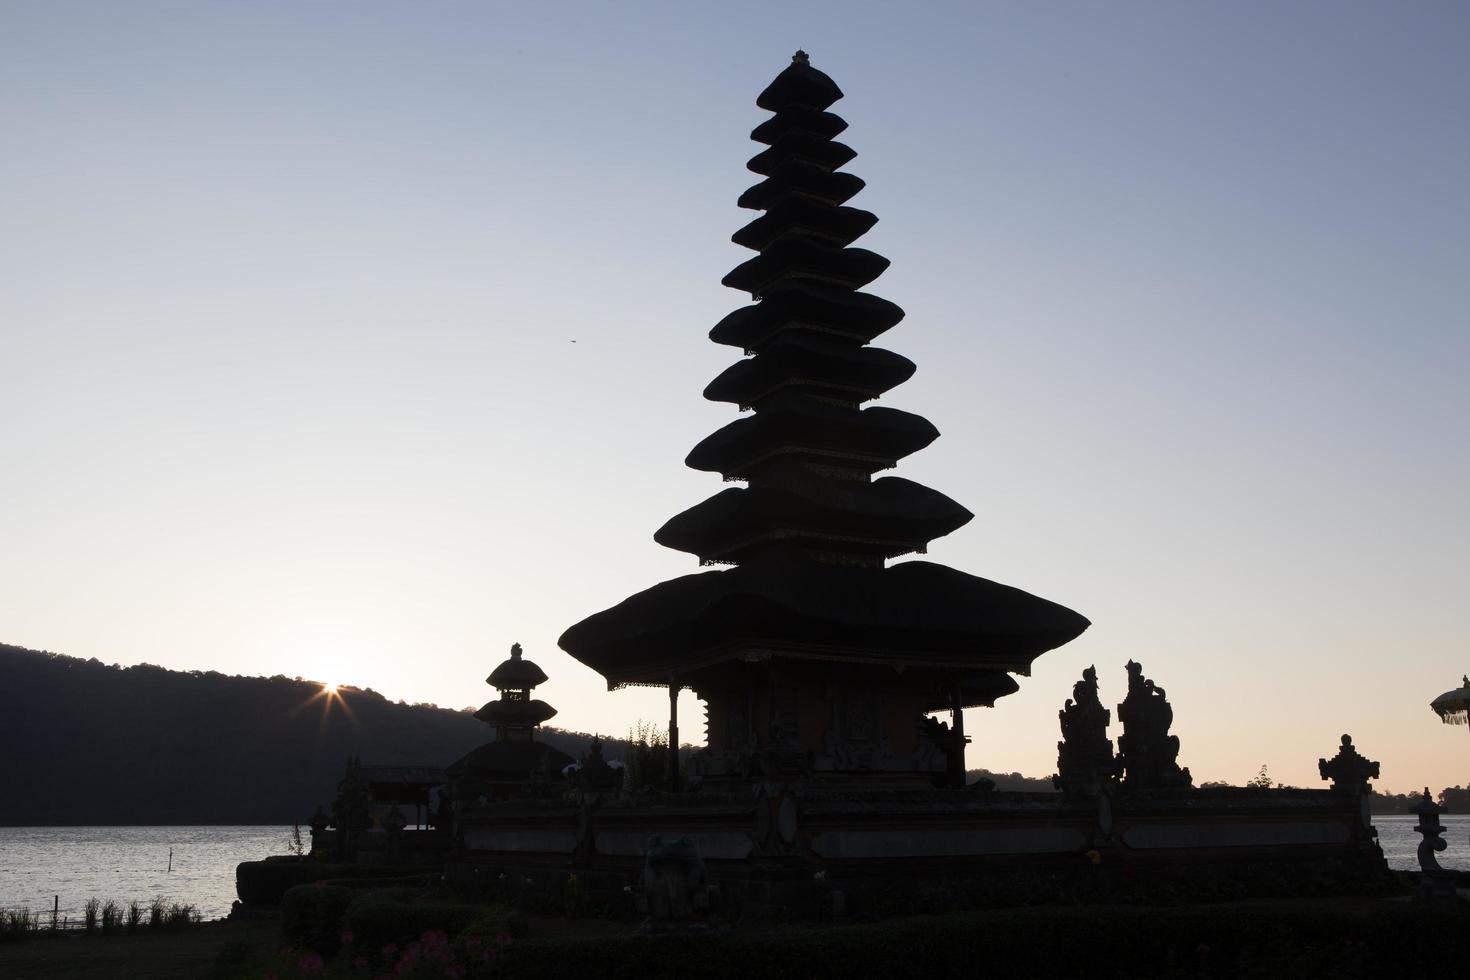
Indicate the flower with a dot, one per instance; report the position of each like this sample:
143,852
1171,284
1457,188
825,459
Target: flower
820,876
359,962
628,889
346,938
1094,856
311,964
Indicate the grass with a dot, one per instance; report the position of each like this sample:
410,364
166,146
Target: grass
148,955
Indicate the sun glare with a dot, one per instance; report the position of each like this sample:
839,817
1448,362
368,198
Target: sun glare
329,689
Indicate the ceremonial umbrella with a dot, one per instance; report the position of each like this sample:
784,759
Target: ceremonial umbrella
1453,707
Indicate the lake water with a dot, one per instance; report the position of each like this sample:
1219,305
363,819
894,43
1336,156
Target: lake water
131,863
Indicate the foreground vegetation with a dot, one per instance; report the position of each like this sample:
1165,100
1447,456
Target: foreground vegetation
337,931
107,917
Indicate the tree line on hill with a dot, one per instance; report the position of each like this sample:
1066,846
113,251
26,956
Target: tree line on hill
85,743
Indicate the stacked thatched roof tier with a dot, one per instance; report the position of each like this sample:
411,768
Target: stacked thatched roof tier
812,531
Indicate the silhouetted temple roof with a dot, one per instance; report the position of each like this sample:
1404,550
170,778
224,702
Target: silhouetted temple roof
804,308
516,674
812,364
911,614
799,85
867,441
885,518
507,712
514,760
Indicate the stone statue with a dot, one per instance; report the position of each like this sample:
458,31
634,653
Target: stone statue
675,882
1348,770
1434,880
1085,761
1147,753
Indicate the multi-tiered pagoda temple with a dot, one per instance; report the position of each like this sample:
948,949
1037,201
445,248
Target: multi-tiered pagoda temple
514,762
812,653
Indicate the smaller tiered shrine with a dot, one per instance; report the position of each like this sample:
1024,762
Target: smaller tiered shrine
514,764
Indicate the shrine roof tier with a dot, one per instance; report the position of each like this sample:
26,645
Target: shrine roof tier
796,178
508,712
799,85
814,365
510,758
807,306
861,440
883,519
801,258
800,216
913,615
516,674
813,150
802,120
980,689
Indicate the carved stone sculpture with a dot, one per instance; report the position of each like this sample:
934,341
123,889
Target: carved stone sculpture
675,882
1085,761
1435,881
1147,753
1348,770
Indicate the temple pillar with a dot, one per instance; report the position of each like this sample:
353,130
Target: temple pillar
673,735
957,730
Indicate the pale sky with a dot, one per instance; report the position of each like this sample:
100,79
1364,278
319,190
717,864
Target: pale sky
289,291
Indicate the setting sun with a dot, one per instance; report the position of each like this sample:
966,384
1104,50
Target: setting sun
329,689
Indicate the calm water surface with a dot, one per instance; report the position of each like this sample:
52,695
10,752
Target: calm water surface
130,863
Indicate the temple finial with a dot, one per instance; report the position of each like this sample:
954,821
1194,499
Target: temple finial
515,651
801,58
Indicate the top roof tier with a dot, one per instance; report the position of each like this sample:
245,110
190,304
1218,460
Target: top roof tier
800,86
516,674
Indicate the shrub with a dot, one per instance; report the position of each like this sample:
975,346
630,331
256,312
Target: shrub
264,882
19,923
89,914
312,916
369,884
1302,940
111,917
397,916
135,916
180,915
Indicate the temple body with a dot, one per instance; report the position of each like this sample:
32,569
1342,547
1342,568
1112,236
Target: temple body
815,658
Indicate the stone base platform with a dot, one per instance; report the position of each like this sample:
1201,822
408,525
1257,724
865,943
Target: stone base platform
774,851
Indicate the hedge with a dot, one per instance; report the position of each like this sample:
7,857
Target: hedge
265,882
395,916
1362,939
312,915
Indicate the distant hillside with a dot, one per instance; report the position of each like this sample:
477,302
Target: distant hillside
84,743
1012,782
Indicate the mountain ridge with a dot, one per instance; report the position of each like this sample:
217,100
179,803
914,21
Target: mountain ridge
87,743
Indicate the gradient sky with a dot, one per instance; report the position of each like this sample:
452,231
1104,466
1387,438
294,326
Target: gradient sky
289,290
